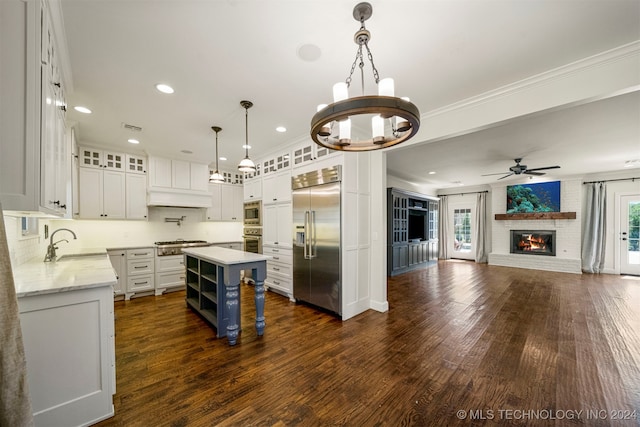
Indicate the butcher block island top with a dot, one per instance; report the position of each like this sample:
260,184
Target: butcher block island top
212,284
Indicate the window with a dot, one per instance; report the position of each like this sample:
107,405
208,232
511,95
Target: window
28,226
462,230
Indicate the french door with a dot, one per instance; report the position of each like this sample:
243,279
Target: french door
630,235
463,244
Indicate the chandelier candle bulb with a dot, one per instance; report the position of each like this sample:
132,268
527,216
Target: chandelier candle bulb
345,132
377,126
340,91
385,87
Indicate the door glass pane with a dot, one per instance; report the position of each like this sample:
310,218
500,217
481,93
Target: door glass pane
462,230
634,233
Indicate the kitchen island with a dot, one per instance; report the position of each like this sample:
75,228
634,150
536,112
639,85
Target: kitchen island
67,322
213,286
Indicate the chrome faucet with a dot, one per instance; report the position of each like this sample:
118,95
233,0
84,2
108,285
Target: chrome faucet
51,249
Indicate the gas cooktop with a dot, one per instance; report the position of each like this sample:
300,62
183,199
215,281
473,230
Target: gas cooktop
174,247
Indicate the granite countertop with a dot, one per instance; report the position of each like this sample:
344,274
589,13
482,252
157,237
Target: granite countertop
90,268
224,255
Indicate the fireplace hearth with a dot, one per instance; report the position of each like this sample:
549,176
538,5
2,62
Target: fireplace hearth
533,242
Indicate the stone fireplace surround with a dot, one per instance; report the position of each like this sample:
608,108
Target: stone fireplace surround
568,233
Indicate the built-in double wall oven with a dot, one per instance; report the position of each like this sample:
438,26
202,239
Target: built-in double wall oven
252,233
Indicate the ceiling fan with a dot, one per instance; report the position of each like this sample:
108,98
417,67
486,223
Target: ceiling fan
519,169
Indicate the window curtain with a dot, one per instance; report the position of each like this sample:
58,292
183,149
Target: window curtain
444,230
593,236
15,404
480,232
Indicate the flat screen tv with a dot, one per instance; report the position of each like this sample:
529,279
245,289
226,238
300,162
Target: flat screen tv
539,197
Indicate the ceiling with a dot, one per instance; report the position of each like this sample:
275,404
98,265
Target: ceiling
284,56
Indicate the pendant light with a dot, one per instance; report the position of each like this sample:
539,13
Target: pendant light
246,165
331,125
216,177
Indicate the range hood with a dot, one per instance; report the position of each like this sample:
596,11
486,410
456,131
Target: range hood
178,198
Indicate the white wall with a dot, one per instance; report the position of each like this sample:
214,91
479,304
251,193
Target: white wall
568,233
119,234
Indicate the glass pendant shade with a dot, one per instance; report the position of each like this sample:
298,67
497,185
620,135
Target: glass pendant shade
216,177
246,165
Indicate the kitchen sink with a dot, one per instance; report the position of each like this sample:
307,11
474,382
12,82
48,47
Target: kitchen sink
81,256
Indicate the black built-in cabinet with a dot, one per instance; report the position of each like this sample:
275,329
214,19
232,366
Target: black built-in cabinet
412,230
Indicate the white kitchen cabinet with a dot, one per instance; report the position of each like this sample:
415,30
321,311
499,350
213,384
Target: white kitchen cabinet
178,183
252,189
308,152
118,260
277,224
102,159
277,188
135,164
227,200
70,354
102,194
140,272
33,164
136,196
279,270
276,163
170,273
229,245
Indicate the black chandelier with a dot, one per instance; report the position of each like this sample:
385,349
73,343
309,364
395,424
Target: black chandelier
331,125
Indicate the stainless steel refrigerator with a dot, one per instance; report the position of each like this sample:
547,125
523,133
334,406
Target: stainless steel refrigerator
316,238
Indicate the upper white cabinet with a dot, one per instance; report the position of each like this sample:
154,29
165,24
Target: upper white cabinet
198,176
32,112
102,194
277,188
107,190
253,189
102,159
276,163
226,202
181,174
309,152
160,172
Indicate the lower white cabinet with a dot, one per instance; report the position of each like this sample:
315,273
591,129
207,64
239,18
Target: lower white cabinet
276,225
230,245
279,270
70,352
170,273
140,272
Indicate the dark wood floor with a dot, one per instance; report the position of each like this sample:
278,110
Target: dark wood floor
462,344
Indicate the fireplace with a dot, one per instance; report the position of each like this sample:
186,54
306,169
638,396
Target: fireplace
533,242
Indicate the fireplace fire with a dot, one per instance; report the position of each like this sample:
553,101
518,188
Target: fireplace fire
533,242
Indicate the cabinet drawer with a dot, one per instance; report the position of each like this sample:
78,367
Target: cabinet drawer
170,280
143,253
270,250
140,266
280,269
169,263
282,258
283,285
140,283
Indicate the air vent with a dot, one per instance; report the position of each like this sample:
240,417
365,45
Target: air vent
132,127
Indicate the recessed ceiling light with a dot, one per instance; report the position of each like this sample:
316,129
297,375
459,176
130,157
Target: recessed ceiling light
246,147
164,88
281,129
432,172
631,163
309,52
223,159
133,141
186,151
82,109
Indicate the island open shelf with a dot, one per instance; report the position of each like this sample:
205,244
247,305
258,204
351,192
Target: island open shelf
213,287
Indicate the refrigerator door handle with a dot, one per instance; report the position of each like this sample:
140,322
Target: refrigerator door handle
306,235
312,244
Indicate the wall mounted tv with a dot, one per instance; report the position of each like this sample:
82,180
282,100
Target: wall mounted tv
539,197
